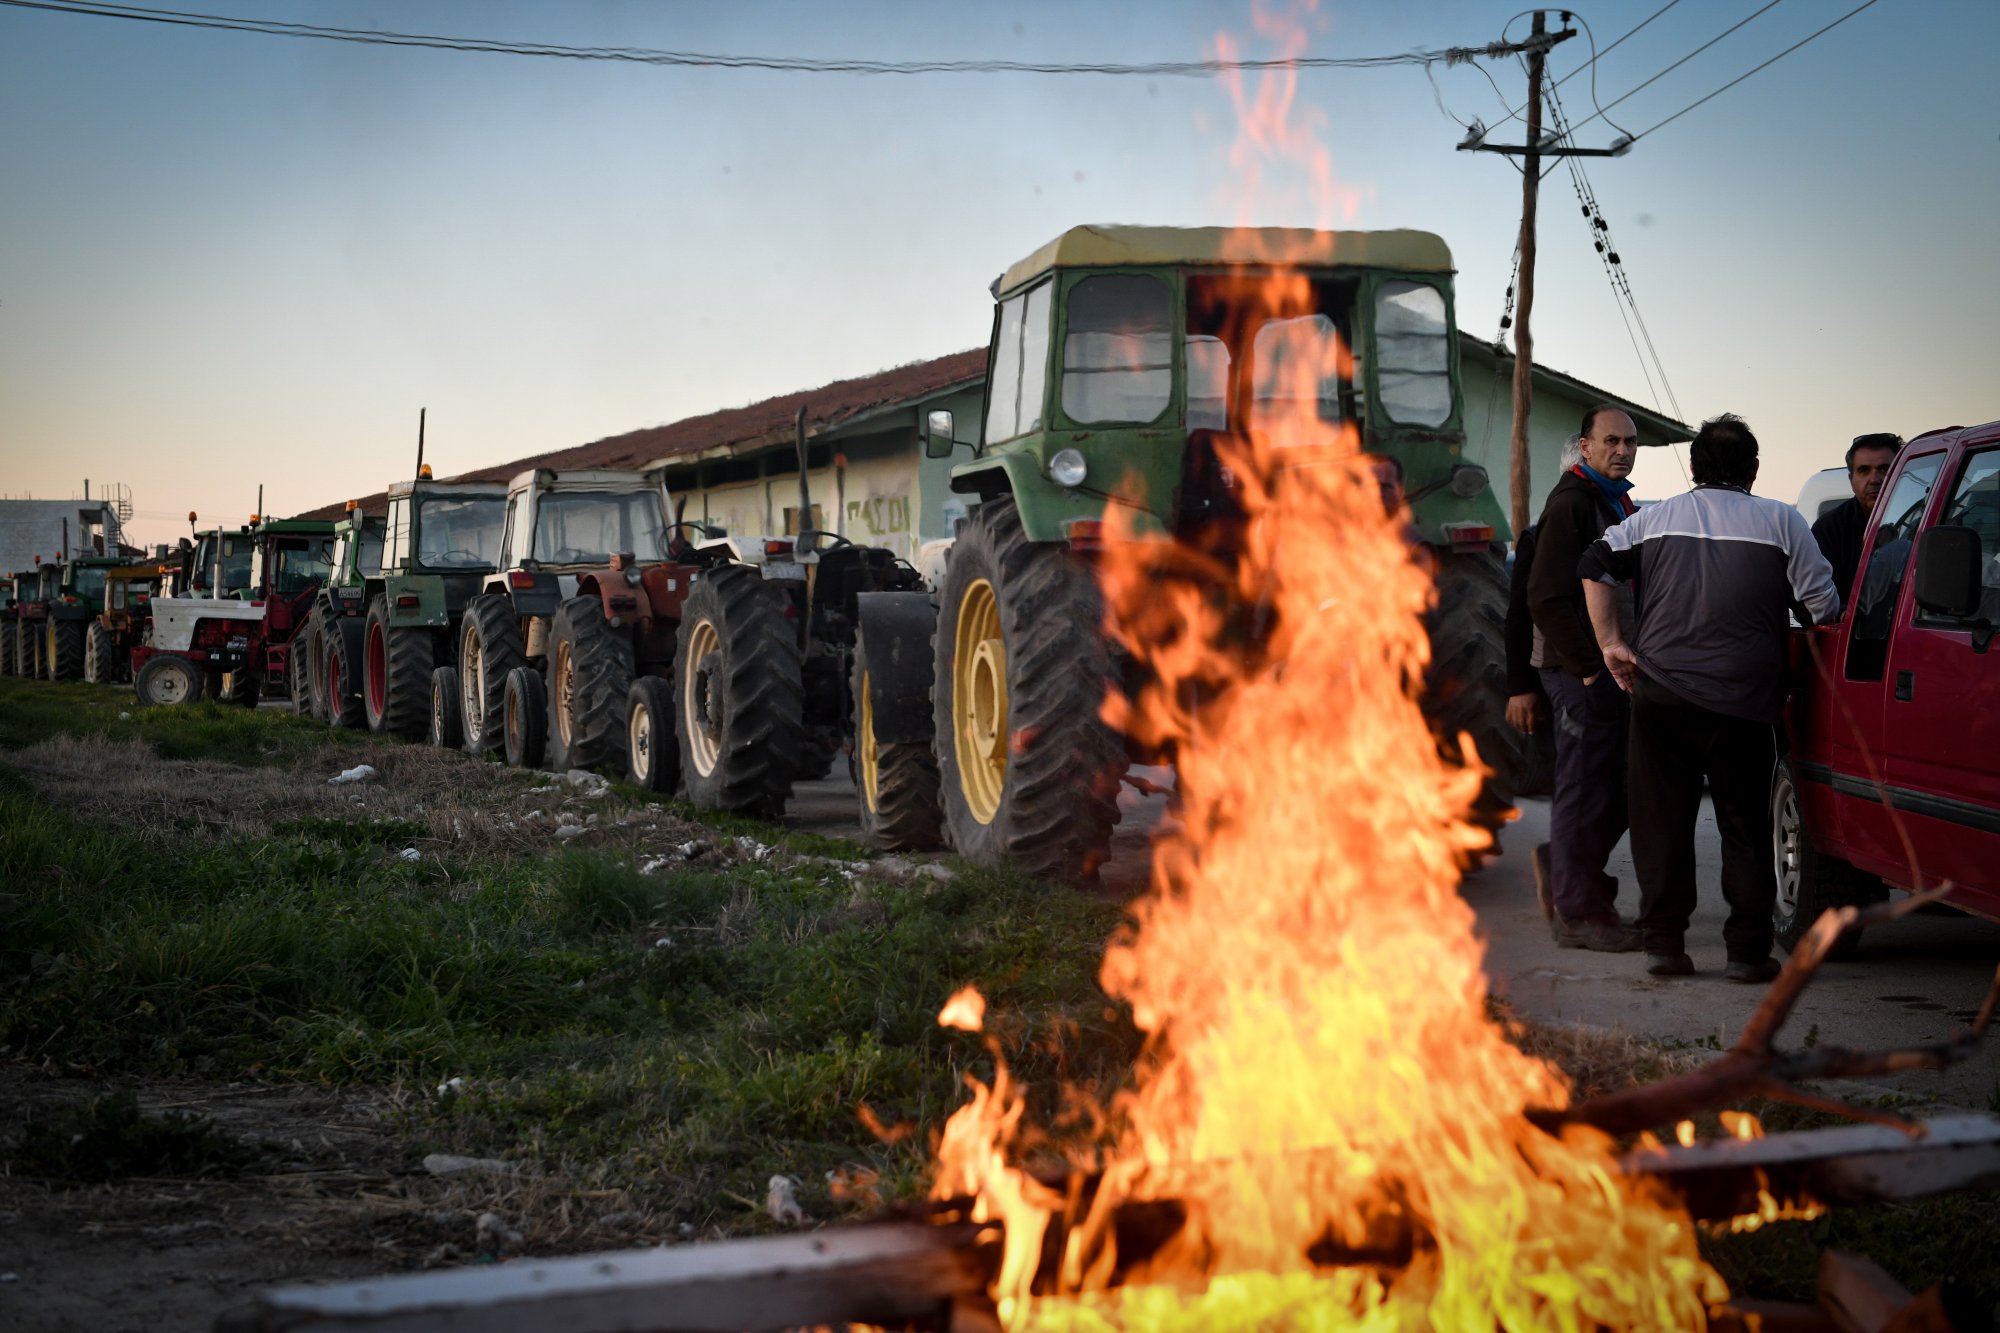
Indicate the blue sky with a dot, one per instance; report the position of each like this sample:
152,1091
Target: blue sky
229,259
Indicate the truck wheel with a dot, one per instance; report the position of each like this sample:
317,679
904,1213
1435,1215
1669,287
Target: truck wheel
343,674
654,756
1465,689
167,680
65,650
245,686
740,694
395,674
524,719
1028,771
489,647
897,781
1809,881
99,657
590,675
447,729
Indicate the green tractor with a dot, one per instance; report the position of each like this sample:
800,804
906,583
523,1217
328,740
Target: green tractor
69,595
1120,358
330,642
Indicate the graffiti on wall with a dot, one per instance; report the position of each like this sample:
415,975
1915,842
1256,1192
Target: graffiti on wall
878,516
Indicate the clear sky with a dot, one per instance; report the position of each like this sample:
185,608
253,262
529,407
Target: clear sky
228,259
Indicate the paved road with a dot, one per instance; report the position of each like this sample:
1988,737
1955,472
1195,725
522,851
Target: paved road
1916,980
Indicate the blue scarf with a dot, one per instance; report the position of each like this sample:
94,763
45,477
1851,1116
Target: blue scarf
1614,491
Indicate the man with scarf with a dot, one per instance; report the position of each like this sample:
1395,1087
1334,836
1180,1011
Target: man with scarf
1587,812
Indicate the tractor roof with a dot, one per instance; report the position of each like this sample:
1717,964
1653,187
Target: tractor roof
584,479
1269,247
95,560
293,527
496,490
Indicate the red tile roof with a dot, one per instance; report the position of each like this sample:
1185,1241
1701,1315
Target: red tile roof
767,422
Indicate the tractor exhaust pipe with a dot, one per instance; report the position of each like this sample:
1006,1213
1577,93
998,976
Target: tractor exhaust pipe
420,443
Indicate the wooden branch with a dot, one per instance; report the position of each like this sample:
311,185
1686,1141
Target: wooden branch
1754,1067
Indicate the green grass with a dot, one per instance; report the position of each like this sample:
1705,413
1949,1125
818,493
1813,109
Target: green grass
108,1138
32,711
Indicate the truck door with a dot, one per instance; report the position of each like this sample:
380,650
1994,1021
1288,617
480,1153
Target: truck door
1850,717
1941,733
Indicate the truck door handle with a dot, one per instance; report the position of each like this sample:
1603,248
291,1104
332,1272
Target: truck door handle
1906,683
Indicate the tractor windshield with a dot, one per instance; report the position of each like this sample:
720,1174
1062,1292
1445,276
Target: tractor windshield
587,528
1275,358
460,531
300,563
87,582
236,553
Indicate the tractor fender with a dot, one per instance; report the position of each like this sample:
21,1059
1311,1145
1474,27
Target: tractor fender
541,595
896,629
1047,509
625,602
413,600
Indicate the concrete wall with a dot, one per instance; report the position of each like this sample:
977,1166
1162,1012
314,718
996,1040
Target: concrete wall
29,528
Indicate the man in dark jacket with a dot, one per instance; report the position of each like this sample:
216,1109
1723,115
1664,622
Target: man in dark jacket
1587,814
1841,531
1705,665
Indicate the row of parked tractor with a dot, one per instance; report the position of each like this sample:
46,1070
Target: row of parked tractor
573,619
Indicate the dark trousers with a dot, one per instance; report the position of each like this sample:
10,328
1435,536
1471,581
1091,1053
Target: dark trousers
1674,746
1587,809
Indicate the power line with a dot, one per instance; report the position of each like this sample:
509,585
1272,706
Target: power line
1595,56
1682,61
781,64
1767,64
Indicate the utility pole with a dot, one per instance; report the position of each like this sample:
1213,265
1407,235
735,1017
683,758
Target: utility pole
1536,48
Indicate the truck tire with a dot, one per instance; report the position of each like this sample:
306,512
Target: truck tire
396,666
244,686
1028,771
65,650
1465,688
167,680
447,729
99,655
524,719
489,647
653,753
1809,881
591,668
896,781
343,675
740,694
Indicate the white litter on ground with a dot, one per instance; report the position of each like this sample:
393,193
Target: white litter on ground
753,849
588,784
496,1235
654,864
781,1201
359,773
451,1087
123,716
568,831
663,943
451,1164
409,854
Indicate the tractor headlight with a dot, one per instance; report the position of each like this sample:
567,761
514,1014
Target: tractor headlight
1468,480
1067,468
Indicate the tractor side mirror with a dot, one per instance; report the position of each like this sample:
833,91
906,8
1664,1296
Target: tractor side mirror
939,434
1948,572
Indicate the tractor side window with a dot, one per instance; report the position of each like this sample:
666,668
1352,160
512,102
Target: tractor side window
1207,358
1118,350
396,541
1975,504
518,545
1020,366
303,566
1300,366
89,583
1881,582
1413,353
370,561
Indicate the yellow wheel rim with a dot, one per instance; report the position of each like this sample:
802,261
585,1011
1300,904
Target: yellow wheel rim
979,700
565,685
704,745
870,755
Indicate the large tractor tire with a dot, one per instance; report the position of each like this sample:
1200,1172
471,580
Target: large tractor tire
244,687
298,675
396,664
447,728
897,780
653,754
591,667
524,719
28,648
740,694
309,647
8,664
99,655
1809,881
342,673
1465,690
489,646
1028,771
166,681
65,650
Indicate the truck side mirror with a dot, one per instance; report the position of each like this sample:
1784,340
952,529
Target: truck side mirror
939,434
1948,572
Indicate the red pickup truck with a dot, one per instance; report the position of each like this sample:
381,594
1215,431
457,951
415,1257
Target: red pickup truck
1895,716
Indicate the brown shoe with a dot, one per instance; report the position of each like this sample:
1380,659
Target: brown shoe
1604,935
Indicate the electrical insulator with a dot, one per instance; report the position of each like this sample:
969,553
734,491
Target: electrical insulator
1602,225
1614,256
1600,247
1586,210
1506,321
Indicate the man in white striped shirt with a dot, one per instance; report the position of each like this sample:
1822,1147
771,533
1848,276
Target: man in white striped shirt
1717,571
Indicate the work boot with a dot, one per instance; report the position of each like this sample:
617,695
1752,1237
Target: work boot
1602,934
1753,974
1538,861
1669,965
